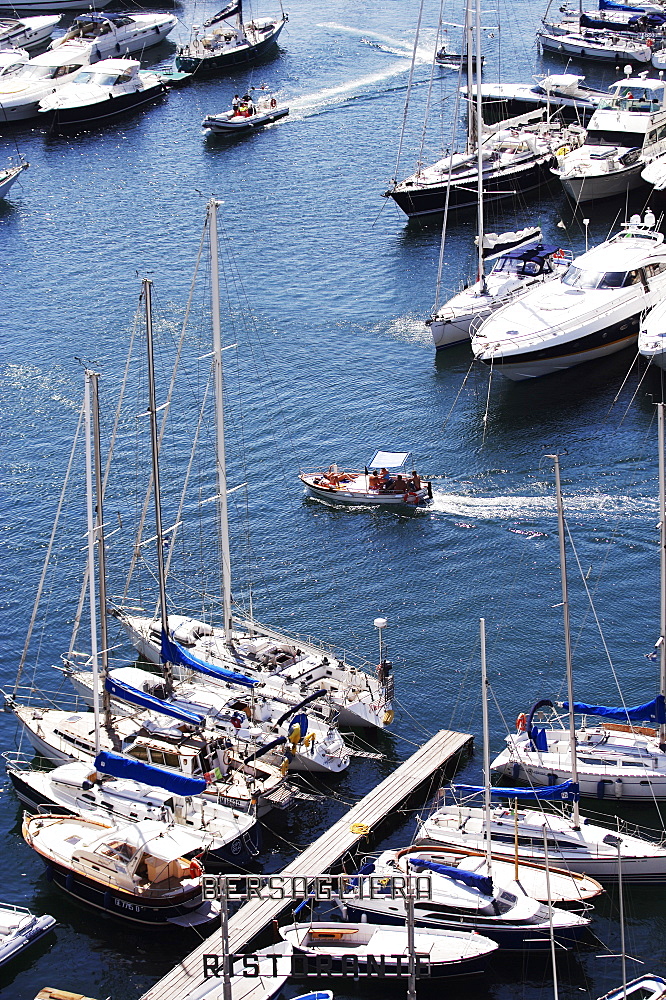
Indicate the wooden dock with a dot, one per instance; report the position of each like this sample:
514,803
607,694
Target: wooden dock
254,916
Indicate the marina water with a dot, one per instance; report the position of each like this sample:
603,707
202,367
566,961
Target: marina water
336,284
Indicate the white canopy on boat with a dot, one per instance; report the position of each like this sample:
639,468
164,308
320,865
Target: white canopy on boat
390,459
155,838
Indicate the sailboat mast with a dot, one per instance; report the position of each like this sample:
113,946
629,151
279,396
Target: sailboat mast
154,447
101,547
479,137
567,634
662,561
486,745
91,550
220,454
469,48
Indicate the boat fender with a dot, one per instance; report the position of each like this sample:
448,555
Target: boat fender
388,717
226,758
196,871
601,789
521,723
117,47
273,102
515,771
69,881
284,766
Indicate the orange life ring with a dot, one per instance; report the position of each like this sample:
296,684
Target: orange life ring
521,723
196,871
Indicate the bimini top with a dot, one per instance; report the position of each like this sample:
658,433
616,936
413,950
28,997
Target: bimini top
536,253
154,838
390,459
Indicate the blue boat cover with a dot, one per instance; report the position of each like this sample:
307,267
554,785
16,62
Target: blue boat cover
652,711
173,652
124,767
539,738
481,882
119,689
568,791
538,252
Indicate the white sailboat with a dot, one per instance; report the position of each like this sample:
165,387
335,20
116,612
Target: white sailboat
618,759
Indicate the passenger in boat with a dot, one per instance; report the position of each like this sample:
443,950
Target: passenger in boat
235,104
400,485
415,482
249,104
373,481
385,479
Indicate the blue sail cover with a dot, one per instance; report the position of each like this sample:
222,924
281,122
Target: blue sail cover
652,711
124,767
173,652
481,882
228,11
568,791
118,689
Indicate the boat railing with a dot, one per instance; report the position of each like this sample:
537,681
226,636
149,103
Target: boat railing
310,644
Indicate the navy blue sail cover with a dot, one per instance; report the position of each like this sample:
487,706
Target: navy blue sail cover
652,711
125,767
481,882
119,689
228,11
568,791
173,652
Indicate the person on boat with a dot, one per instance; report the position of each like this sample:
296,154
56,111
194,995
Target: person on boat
385,479
415,481
235,104
400,485
373,481
249,104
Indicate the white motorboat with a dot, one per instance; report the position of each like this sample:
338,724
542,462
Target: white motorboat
10,175
647,987
222,834
135,871
652,336
42,75
512,273
97,93
593,310
577,846
112,35
224,44
461,900
441,954
27,32
313,744
565,93
19,928
385,482
516,158
248,115
627,129
598,45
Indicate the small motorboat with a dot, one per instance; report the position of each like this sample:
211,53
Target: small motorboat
447,953
647,987
454,60
247,115
136,871
110,35
20,928
27,32
102,91
372,488
11,174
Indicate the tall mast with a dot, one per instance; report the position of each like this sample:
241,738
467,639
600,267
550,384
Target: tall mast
479,137
220,455
567,635
662,539
467,52
486,745
91,551
154,447
101,548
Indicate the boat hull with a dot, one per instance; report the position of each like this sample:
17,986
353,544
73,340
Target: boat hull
220,126
593,188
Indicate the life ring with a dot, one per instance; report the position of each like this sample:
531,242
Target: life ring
226,758
196,871
273,102
521,723
563,150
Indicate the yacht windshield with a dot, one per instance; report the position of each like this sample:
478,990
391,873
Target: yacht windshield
39,72
576,277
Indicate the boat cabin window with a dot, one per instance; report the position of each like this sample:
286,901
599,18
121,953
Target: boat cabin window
513,265
607,137
652,269
628,97
11,69
65,70
139,753
164,758
577,277
118,849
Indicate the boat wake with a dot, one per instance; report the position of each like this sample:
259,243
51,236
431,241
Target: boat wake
599,505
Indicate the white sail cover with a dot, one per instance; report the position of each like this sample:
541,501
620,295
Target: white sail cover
390,459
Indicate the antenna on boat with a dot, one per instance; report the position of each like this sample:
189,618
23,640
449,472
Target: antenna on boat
486,747
154,447
220,454
567,635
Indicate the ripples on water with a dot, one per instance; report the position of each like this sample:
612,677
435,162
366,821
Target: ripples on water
334,361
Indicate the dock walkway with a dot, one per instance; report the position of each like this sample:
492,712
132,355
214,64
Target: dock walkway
317,859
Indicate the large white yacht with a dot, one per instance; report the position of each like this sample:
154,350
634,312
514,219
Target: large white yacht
630,120
110,35
593,310
21,93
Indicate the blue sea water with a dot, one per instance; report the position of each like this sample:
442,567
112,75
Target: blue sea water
329,286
